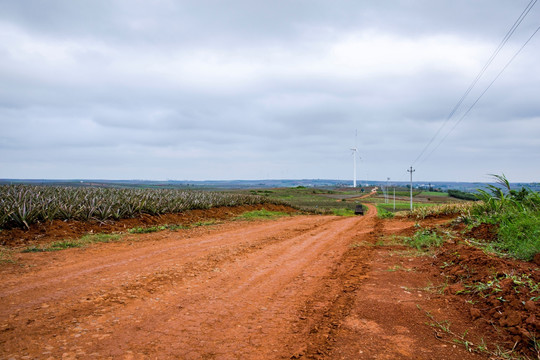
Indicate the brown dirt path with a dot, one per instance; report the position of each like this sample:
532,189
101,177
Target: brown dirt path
300,287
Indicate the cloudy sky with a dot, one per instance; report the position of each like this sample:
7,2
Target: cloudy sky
248,89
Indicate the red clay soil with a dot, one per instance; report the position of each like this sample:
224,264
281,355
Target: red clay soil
503,293
484,232
308,287
59,230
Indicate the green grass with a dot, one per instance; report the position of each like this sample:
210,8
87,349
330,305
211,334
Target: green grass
382,213
434,193
518,234
151,229
74,243
402,203
146,230
261,214
310,199
517,214
399,192
343,212
424,239
170,227
328,200
204,223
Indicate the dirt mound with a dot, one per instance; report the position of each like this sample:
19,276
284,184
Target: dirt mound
58,230
503,293
486,232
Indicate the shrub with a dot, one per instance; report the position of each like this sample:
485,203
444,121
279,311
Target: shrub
518,214
458,194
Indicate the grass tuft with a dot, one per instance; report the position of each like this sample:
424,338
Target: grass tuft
74,243
146,230
151,229
384,214
424,239
343,212
261,214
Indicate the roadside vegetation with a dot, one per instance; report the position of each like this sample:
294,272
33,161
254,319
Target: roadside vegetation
343,212
424,239
261,215
441,210
74,243
473,255
515,216
512,215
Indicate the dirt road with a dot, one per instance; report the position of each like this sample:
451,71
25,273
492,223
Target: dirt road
300,287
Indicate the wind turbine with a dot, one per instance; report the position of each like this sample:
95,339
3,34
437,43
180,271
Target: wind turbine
354,151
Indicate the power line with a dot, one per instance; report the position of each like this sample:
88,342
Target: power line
483,92
503,42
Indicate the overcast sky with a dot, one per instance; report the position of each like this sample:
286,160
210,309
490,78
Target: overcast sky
195,90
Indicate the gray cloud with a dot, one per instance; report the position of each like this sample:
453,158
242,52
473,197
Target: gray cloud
259,89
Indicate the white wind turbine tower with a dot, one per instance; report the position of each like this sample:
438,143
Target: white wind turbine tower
354,151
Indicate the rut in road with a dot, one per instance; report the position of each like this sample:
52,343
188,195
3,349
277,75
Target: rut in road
241,290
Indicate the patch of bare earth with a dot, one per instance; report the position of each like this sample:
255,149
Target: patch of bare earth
502,294
298,287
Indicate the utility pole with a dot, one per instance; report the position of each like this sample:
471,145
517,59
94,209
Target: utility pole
387,195
394,199
411,171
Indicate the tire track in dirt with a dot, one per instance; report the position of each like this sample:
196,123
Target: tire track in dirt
323,313
136,304
246,314
383,314
314,287
97,267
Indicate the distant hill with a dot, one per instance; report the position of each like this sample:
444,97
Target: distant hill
257,184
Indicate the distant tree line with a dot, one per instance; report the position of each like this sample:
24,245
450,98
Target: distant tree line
458,194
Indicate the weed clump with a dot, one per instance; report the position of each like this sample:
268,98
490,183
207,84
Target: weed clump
384,214
261,214
424,239
74,243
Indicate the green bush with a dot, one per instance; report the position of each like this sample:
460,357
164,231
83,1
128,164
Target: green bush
458,194
384,214
517,214
519,235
